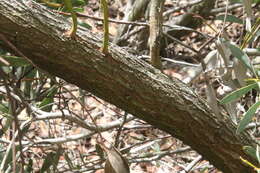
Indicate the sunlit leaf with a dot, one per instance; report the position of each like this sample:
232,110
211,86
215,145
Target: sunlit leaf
249,163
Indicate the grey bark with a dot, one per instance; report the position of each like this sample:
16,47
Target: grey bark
123,80
155,20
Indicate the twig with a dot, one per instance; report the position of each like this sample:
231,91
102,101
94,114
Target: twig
2,60
117,139
42,115
3,38
101,19
223,9
157,155
181,63
87,111
188,4
61,140
181,43
133,149
192,164
15,123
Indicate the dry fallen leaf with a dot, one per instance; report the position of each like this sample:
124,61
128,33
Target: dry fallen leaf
115,162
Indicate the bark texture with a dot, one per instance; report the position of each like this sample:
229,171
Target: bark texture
156,21
124,81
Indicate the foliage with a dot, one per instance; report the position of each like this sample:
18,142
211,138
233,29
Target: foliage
252,83
244,59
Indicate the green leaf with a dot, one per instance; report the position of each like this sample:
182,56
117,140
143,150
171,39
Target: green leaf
15,61
250,151
238,93
29,166
236,1
240,55
51,159
4,108
78,9
8,157
46,104
76,3
99,151
85,25
47,162
230,18
247,117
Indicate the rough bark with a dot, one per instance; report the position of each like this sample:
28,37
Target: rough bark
124,81
156,20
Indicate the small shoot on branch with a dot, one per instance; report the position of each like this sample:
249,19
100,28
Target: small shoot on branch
104,7
73,29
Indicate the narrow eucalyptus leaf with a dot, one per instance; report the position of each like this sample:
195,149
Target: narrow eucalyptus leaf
249,150
15,61
238,93
240,55
99,151
247,117
46,103
47,162
229,18
29,166
3,108
115,162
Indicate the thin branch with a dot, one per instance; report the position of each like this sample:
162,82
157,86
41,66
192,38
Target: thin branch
157,155
192,164
13,107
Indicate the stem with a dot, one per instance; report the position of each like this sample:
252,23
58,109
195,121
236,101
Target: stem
73,30
104,7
